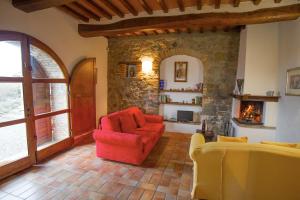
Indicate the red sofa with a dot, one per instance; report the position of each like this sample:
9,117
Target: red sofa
128,136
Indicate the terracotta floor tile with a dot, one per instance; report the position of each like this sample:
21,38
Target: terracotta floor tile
147,195
125,193
159,196
136,194
79,175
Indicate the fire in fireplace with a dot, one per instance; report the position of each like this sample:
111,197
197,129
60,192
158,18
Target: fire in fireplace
251,112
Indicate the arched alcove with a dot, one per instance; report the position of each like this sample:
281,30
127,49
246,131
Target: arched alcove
195,75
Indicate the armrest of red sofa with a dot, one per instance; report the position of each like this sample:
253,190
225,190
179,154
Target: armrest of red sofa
116,138
154,118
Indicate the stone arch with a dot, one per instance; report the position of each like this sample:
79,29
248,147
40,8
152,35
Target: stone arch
181,51
189,52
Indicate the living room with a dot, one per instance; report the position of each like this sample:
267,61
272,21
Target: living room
148,99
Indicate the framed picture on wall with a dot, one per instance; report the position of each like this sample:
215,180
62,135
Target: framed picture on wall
131,70
180,71
293,82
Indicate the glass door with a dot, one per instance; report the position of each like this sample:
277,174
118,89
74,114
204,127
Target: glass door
34,103
50,100
16,133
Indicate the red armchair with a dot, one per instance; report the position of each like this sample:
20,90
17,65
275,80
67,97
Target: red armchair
128,136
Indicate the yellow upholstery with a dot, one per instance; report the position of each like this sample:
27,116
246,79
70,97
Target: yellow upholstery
284,144
232,139
242,171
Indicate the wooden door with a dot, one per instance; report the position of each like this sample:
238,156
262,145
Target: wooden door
83,100
17,146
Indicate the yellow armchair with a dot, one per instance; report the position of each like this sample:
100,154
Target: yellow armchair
240,171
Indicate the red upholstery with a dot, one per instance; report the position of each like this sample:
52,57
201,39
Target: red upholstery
128,123
139,118
130,147
154,118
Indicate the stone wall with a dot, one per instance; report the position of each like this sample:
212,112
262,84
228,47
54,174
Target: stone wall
217,51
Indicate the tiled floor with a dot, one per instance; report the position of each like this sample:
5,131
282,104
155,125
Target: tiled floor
79,174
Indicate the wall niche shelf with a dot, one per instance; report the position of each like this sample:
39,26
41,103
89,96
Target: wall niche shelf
181,104
193,123
247,97
182,91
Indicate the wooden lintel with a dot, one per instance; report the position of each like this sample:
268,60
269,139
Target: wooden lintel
34,5
217,19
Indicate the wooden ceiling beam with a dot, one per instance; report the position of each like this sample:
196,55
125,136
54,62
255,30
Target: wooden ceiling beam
217,4
146,7
95,8
188,30
75,6
163,5
34,5
256,2
112,7
180,5
236,3
72,13
144,33
214,29
199,4
266,15
129,7
201,30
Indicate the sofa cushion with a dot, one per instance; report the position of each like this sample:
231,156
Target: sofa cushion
139,118
115,121
111,123
128,124
232,139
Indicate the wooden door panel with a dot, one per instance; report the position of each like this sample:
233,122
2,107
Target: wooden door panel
83,103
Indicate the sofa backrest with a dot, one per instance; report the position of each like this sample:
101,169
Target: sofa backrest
111,122
246,171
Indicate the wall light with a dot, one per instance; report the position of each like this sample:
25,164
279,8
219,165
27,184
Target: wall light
147,64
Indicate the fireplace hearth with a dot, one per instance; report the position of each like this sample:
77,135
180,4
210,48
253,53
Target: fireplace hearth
251,113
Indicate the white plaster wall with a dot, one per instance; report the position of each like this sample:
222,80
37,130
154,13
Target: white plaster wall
242,55
289,57
261,63
258,65
195,75
59,32
195,71
254,135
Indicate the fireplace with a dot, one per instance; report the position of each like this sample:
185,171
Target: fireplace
251,112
